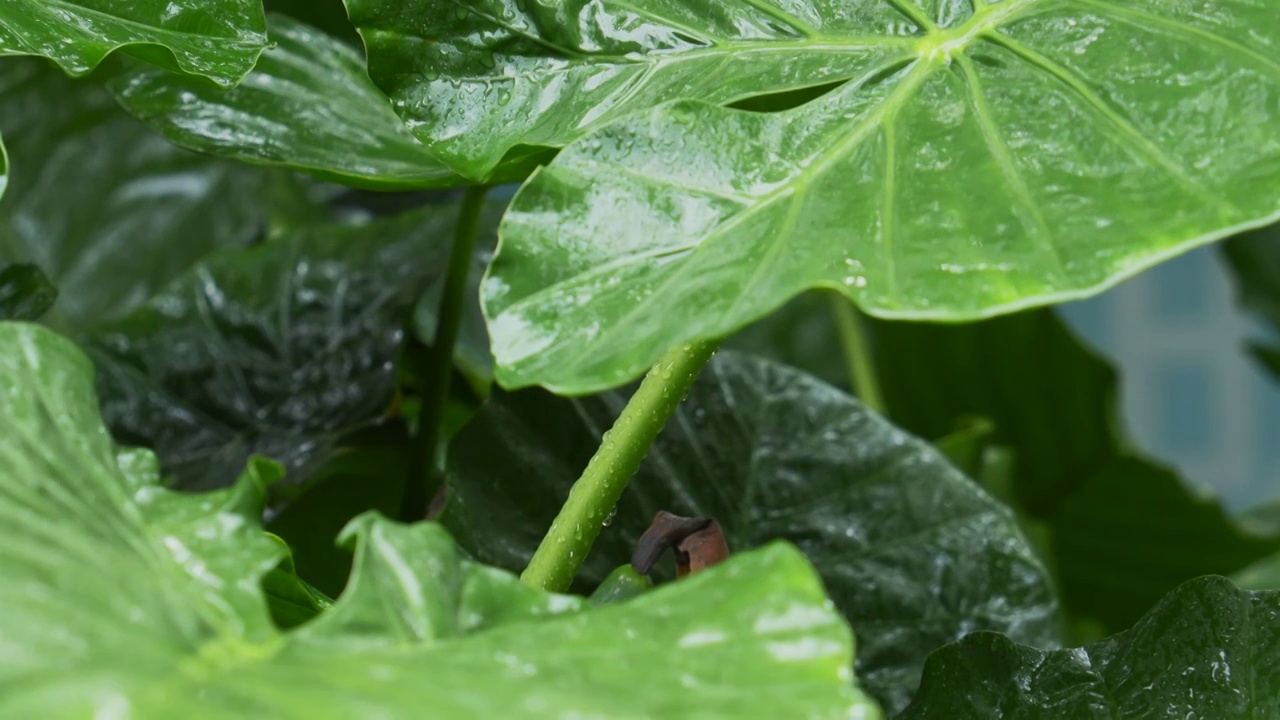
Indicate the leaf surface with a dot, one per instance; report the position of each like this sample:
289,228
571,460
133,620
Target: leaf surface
308,105
107,209
216,39
976,162
912,553
25,292
1204,652
120,597
276,350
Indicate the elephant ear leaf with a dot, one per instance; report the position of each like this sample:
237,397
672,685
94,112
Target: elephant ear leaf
122,598
978,159
215,39
1204,651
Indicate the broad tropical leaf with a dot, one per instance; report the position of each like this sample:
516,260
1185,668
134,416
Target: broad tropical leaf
1120,529
276,350
107,209
25,292
215,39
914,554
308,105
124,598
981,158
1204,652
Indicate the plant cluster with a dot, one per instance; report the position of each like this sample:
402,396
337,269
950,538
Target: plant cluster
320,322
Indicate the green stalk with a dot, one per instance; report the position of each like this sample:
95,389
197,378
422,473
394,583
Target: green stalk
857,352
424,476
623,447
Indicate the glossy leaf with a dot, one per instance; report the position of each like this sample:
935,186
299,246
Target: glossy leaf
977,162
505,77
1203,652
108,210
327,15
276,350
25,292
308,105
122,597
1119,529
215,39
914,554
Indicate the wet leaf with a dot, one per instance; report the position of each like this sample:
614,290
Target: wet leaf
1201,653
25,292
1120,529
216,39
107,209
912,552
277,350
977,162
308,105
147,602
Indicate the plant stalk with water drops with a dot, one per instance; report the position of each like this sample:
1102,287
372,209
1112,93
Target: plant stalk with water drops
623,447
851,326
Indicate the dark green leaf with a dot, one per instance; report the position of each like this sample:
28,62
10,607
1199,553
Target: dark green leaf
1254,258
327,15
1206,651
914,554
25,293
277,350
109,211
291,600
366,471
1119,530
308,105
216,39
125,598
978,161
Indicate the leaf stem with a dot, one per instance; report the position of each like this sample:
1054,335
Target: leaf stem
424,473
857,352
623,447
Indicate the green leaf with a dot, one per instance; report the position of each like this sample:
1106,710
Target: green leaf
977,162
366,471
1124,530
215,39
109,211
123,597
1119,529
912,553
1262,575
308,105
1203,652
25,293
276,350
327,15
1254,259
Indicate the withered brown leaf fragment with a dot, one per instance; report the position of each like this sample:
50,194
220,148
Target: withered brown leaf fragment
698,543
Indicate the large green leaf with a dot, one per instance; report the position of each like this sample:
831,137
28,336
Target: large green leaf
914,554
978,161
25,292
216,39
1121,530
275,350
119,598
110,211
308,105
1206,651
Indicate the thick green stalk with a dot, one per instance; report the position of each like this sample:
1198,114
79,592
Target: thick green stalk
622,448
857,352
424,475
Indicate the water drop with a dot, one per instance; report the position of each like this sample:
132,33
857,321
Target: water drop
608,519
